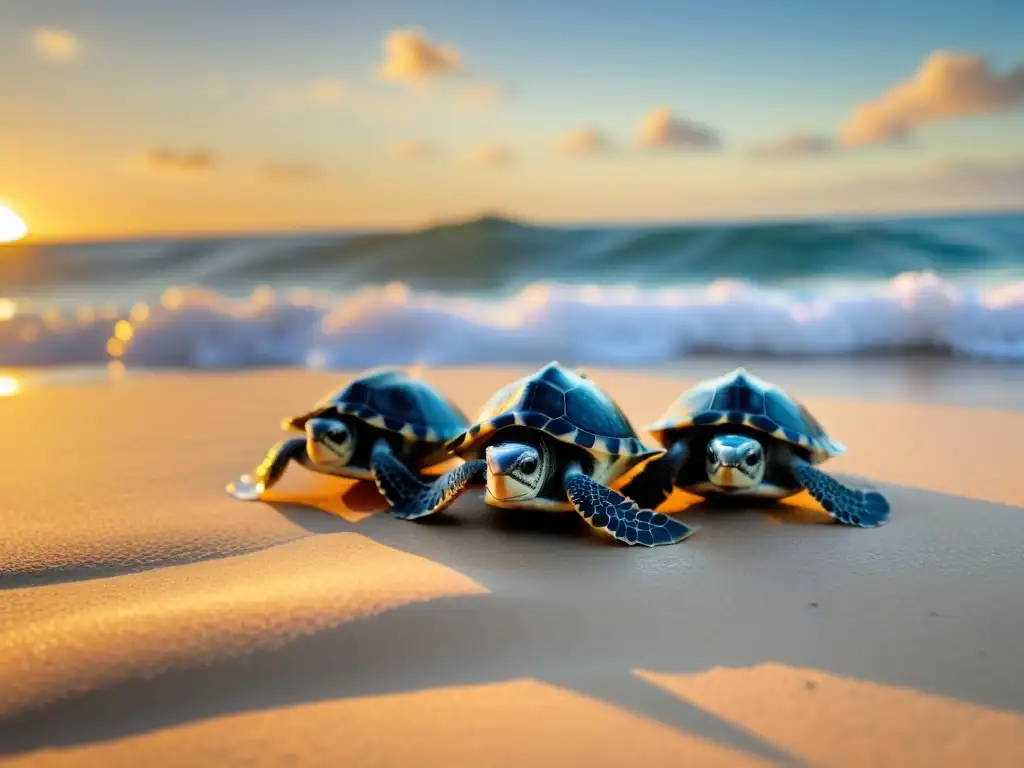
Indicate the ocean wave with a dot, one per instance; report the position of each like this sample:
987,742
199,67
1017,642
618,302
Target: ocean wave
196,327
492,254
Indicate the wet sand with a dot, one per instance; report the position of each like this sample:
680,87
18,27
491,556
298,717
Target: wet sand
146,618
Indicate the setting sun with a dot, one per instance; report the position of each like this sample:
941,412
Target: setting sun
12,226
9,386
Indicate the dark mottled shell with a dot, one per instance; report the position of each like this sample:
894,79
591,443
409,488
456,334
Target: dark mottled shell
392,400
739,398
566,405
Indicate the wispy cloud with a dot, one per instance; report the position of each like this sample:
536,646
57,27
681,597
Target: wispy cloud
586,141
194,162
492,155
411,58
946,85
55,44
290,173
792,146
660,129
413,149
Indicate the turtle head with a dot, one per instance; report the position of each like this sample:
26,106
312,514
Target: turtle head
735,463
329,442
515,471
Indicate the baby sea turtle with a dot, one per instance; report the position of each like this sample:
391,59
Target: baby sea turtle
740,435
382,412
552,441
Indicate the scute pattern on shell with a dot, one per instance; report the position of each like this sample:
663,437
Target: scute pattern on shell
562,403
390,399
744,399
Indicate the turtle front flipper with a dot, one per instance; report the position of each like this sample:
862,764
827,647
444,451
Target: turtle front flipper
655,482
866,509
251,487
609,511
410,497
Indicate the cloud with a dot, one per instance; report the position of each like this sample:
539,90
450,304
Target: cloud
479,95
413,149
791,146
189,163
946,85
290,173
411,58
586,141
55,44
493,155
660,129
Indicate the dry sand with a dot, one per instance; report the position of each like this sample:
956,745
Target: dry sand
146,618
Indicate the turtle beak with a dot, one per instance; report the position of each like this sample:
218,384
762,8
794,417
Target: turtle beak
318,428
501,458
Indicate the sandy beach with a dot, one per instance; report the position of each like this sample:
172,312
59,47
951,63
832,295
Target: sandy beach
147,618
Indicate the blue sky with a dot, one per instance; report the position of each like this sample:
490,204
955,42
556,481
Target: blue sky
232,79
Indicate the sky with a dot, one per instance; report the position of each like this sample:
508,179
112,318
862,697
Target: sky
129,117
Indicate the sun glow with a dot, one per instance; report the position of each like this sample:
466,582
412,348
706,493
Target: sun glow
12,226
9,386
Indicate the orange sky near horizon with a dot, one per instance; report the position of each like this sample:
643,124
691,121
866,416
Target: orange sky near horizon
119,129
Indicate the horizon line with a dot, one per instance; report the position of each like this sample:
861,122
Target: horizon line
487,214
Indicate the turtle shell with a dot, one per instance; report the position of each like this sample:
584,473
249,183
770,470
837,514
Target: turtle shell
739,398
391,400
563,403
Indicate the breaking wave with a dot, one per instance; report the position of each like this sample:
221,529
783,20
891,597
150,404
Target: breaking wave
201,328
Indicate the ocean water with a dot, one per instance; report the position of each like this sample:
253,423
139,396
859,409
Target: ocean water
491,290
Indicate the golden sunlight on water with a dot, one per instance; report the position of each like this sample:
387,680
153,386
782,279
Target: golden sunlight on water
115,347
172,298
123,331
12,226
139,313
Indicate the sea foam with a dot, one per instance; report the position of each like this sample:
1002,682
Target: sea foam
195,327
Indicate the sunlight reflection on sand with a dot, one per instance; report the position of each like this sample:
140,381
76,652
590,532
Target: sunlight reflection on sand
831,720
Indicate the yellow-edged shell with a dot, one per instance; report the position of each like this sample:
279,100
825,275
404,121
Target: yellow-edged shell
389,399
742,399
566,406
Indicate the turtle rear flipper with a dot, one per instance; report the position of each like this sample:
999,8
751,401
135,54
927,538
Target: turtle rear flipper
408,496
866,509
608,510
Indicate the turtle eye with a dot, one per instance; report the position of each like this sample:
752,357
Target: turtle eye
712,456
528,465
752,459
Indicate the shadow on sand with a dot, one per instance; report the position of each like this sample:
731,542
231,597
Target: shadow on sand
931,602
